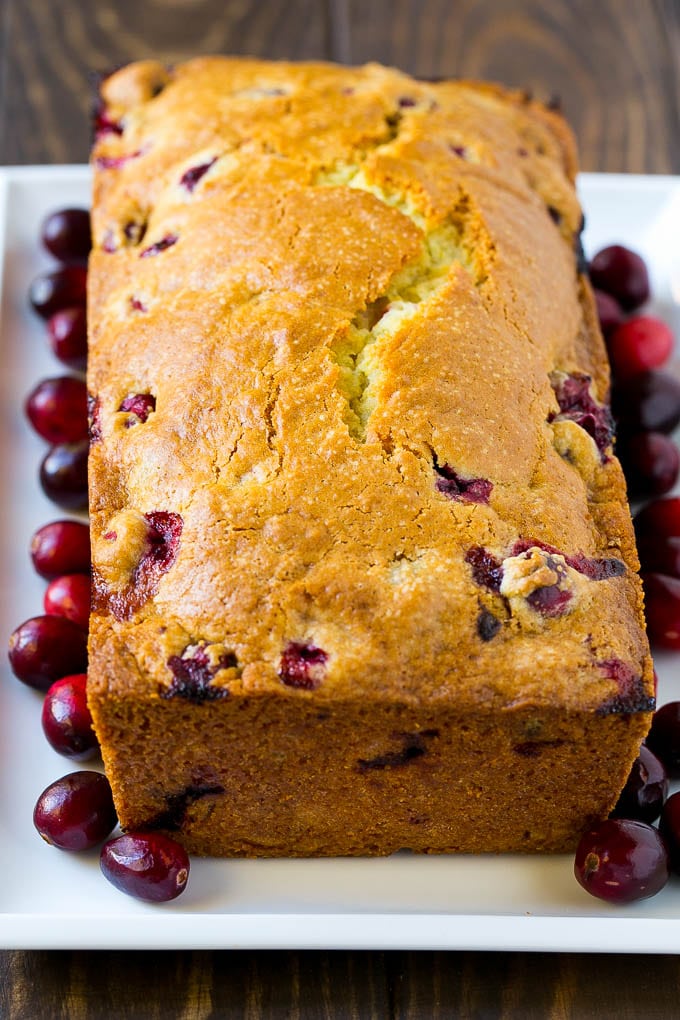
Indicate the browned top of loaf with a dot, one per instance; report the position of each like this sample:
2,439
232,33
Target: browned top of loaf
360,277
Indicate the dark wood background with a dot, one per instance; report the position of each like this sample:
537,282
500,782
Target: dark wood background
615,64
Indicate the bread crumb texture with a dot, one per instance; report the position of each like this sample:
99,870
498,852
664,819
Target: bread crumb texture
365,534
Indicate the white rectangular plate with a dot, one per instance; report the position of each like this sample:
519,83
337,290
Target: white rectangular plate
50,899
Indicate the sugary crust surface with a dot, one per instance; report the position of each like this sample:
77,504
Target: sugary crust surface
356,488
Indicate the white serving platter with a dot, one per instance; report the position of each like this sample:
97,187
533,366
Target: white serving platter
50,899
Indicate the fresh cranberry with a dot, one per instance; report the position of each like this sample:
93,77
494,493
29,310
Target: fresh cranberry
650,462
66,719
63,475
621,860
609,312
660,517
638,345
669,827
76,812
45,648
64,288
146,865
645,791
67,334
302,666
69,596
623,274
57,409
663,738
159,246
662,609
659,555
193,175
66,234
139,406
61,547
648,402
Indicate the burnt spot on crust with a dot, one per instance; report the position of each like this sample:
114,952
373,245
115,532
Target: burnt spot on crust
463,490
193,673
631,697
488,625
413,746
177,805
302,666
534,748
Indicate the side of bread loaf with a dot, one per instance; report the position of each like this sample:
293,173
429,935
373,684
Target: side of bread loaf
364,573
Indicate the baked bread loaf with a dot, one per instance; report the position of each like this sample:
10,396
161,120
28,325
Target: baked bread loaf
364,572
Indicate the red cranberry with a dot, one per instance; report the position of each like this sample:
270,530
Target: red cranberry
69,596
462,490
641,343
66,234
663,738
45,648
662,604
609,312
57,409
648,402
621,860
76,812
115,162
139,406
302,666
622,273
146,865
61,547
669,827
192,673
65,288
67,334
577,404
661,517
645,791
66,719
104,124
193,175
650,462
659,555
159,246
63,475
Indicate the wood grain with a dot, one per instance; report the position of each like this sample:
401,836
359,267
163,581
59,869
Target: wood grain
614,63
55,49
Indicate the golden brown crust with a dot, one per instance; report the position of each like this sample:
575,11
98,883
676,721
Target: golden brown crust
353,298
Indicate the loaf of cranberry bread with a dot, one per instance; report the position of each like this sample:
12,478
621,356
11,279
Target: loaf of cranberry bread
364,573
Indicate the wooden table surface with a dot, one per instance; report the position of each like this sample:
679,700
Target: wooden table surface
615,64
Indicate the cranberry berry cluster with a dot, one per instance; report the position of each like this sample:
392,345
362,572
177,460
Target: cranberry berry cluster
627,858
49,652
